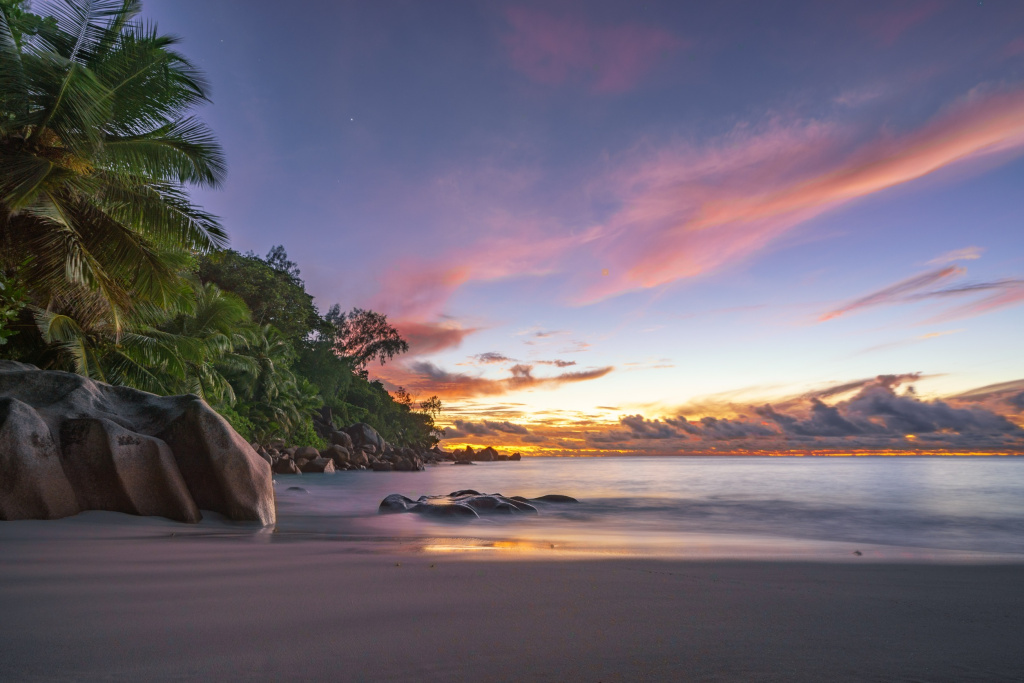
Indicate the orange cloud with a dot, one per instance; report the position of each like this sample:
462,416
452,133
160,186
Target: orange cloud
876,416
426,338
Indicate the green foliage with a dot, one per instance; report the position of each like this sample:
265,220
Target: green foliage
240,423
271,289
108,269
305,435
13,296
96,147
22,21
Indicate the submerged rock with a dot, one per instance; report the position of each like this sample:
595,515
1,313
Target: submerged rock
467,503
68,443
556,498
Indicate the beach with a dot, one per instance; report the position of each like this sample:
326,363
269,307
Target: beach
109,600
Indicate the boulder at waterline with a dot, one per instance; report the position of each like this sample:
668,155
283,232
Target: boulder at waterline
286,466
365,437
468,503
117,448
319,466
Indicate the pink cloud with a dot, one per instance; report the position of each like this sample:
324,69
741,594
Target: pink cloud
417,291
686,212
1014,48
1005,294
888,25
610,59
425,338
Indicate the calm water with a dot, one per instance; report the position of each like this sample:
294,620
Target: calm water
882,507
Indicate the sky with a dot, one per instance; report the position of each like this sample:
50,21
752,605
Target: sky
647,227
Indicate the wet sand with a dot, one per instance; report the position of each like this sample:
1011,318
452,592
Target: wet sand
78,605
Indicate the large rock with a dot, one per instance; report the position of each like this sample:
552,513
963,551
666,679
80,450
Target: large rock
306,453
32,482
111,468
319,466
363,435
342,439
68,443
286,466
339,454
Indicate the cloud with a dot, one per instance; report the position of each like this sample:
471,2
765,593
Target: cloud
680,210
425,338
1013,48
875,418
556,363
555,50
463,428
896,292
425,378
689,211
494,358
995,397
906,342
1005,293
965,254
491,357
1001,293
886,26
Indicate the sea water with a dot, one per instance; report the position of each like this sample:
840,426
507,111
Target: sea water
702,507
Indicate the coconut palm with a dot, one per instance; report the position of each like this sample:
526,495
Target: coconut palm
187,350
276,400
96,150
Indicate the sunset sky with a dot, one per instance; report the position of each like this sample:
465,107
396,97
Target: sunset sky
648,227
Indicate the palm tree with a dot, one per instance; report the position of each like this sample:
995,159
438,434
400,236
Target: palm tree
178,351
277,400
96,149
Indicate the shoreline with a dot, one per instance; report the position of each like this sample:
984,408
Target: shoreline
199,606
471,542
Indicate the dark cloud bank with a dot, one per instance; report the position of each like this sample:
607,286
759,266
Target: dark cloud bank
877,418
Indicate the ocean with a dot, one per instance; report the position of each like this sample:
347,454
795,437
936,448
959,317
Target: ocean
874,508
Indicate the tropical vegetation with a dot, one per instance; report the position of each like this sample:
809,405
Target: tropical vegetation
107,267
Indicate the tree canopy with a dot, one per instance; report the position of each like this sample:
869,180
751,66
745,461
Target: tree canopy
107,267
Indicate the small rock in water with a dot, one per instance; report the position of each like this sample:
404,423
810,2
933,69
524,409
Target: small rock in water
556,498
467,503
297,488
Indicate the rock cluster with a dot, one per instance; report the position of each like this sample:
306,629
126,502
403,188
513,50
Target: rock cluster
360,447
68,444
488,454
468,504
356,447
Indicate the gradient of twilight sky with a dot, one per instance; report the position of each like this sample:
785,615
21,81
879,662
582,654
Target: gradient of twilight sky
600,222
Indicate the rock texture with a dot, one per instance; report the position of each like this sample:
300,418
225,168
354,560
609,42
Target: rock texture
68,443
467,504
486,454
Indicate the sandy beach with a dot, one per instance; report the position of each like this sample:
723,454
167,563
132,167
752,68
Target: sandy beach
138,603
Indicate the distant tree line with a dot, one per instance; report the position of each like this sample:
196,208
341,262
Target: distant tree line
109,270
